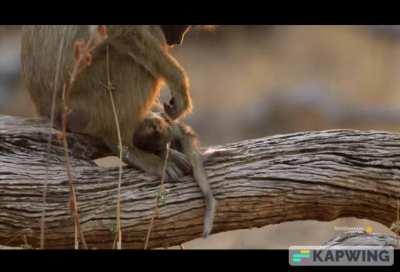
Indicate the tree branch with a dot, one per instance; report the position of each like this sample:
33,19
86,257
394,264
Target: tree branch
308,175
362,238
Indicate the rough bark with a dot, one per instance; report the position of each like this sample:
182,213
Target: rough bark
308,175
360,238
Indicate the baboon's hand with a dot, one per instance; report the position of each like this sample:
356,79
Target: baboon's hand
176,107
171,109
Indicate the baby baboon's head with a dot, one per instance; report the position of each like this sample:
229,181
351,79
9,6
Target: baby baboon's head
152,134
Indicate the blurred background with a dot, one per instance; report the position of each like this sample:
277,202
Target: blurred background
256,81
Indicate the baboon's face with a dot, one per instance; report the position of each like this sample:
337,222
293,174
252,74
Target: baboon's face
174,34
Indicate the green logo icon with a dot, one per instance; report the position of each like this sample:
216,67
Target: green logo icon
301,256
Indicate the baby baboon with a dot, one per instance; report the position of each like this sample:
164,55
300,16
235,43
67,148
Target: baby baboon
155,132
139,62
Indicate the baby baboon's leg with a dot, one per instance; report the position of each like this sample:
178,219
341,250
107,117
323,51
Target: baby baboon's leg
189,145
180,160
152,163
148,162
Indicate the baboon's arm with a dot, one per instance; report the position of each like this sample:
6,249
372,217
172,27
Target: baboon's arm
148,51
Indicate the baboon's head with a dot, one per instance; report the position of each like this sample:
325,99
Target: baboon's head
174,34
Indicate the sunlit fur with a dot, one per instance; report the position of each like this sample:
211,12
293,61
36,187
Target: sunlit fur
139,64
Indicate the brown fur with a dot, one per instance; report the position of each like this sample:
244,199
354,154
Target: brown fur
139,64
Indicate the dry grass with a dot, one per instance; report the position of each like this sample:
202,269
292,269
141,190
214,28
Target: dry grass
396,225
110,92
159,200
82,53
49,143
